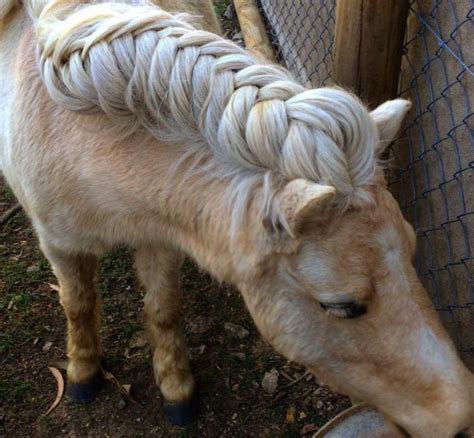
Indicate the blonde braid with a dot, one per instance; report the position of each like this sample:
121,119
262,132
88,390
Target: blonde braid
140,64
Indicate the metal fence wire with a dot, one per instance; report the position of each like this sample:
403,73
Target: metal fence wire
432,162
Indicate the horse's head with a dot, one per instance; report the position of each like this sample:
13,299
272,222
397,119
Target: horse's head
341,296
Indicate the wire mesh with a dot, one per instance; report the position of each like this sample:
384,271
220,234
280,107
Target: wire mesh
302,34
432,172
433,160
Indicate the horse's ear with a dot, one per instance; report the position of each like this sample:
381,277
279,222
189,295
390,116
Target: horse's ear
302,201
389,117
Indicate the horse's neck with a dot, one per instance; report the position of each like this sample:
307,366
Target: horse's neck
135,178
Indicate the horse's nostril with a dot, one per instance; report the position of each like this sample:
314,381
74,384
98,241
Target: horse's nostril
462,435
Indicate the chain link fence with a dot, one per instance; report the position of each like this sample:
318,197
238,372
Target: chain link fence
302,34
432,162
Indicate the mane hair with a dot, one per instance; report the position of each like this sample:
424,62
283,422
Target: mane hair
145,67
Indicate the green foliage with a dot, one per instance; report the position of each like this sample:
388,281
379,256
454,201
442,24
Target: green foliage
220,6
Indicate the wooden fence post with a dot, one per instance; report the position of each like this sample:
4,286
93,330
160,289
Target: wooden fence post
253,30
368,47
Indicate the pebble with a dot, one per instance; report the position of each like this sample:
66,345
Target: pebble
270,381
230,12
235,330
121,404
237,355
47,346
237,36
199,325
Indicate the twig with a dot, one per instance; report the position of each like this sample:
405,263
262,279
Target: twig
5,217
295,381
286,376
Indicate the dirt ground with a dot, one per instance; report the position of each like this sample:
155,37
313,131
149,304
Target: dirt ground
229,361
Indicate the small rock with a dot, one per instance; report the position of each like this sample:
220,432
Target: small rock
237,36
199,325
235,387
121,404
229,12
319,404
235,330
32,268
238,355
270,381
47,346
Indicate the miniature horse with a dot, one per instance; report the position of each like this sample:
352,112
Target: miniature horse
196,148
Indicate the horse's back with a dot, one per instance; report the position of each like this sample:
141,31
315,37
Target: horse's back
11,28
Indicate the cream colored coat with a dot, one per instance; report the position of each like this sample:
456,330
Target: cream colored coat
327,278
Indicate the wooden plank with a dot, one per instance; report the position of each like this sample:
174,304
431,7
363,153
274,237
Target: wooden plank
253,30
368,47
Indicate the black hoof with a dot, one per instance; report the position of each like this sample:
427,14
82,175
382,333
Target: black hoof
182,413
84,392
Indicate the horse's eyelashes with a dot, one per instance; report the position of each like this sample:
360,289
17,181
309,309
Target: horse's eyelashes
349,310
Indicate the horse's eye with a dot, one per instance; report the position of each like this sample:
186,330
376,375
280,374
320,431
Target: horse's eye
349,310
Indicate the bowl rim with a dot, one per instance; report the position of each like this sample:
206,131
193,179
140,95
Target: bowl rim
338,419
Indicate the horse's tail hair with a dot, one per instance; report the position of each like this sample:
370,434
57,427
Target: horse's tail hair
143,66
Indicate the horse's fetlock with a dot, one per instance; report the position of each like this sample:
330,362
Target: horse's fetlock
177,386
81,371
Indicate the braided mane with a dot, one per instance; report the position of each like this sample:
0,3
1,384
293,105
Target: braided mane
144,66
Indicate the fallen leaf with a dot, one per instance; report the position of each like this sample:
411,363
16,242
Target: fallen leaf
197,351
290,415
47,346
60,383
139,340
127,387
123,388
308,428
55,287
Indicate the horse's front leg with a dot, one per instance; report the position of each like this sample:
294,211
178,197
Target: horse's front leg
158,269
76,275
